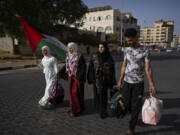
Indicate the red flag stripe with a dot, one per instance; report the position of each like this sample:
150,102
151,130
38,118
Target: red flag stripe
32,35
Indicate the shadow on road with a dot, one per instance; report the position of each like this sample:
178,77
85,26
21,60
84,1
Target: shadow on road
171,103
89,106
172,121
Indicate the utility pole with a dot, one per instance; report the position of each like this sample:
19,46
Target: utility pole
122,23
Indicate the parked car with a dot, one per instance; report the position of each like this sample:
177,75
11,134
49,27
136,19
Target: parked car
169,50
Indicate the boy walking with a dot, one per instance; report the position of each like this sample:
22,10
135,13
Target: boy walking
131,81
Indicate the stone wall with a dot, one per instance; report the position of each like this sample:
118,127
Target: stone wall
6,44
25,50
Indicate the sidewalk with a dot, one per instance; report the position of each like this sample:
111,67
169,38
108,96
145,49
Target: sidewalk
20,65
9,61
12,62
16,65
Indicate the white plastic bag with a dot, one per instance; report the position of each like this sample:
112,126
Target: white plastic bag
152,110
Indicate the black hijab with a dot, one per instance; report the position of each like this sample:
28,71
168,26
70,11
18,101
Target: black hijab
102,57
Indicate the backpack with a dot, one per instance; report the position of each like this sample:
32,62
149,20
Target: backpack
57,95
116,105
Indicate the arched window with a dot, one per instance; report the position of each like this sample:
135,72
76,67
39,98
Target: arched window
100,18
100,29
108,29
108,17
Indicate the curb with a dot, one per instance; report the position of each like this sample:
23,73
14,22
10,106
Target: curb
21,67
18,67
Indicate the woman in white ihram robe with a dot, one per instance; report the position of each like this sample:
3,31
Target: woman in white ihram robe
50,69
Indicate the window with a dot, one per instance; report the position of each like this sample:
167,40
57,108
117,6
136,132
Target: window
118,19
108,17
85,19
108,29
100,18
94,19
100,29
89,18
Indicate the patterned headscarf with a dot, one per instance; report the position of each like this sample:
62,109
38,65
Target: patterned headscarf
73,46
72,59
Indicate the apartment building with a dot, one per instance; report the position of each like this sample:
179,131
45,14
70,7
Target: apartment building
161,34
108,20
176,41
147,36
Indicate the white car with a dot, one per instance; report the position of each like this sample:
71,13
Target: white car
169,50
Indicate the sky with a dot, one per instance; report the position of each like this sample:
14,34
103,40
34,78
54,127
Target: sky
147,11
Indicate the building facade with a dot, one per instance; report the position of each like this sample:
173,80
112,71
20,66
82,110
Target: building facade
108,20
161,34
176,41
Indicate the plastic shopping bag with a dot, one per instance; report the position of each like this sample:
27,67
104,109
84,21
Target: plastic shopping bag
152,110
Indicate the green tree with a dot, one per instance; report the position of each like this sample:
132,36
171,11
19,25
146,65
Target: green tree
112,37
41,14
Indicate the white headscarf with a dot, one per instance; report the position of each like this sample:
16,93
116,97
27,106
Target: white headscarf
48,52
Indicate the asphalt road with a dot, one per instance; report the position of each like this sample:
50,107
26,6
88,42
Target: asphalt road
20,91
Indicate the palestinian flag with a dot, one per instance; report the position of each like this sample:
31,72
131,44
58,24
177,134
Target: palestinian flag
37,40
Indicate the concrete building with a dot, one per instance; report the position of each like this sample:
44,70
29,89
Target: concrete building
108,20
176,41
147,36
161,34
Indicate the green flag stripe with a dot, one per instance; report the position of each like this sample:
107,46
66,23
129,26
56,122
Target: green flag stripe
56,50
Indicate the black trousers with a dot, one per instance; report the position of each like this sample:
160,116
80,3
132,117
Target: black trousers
133,95
100,99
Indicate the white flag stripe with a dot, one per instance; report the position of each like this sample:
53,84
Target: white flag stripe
56,42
